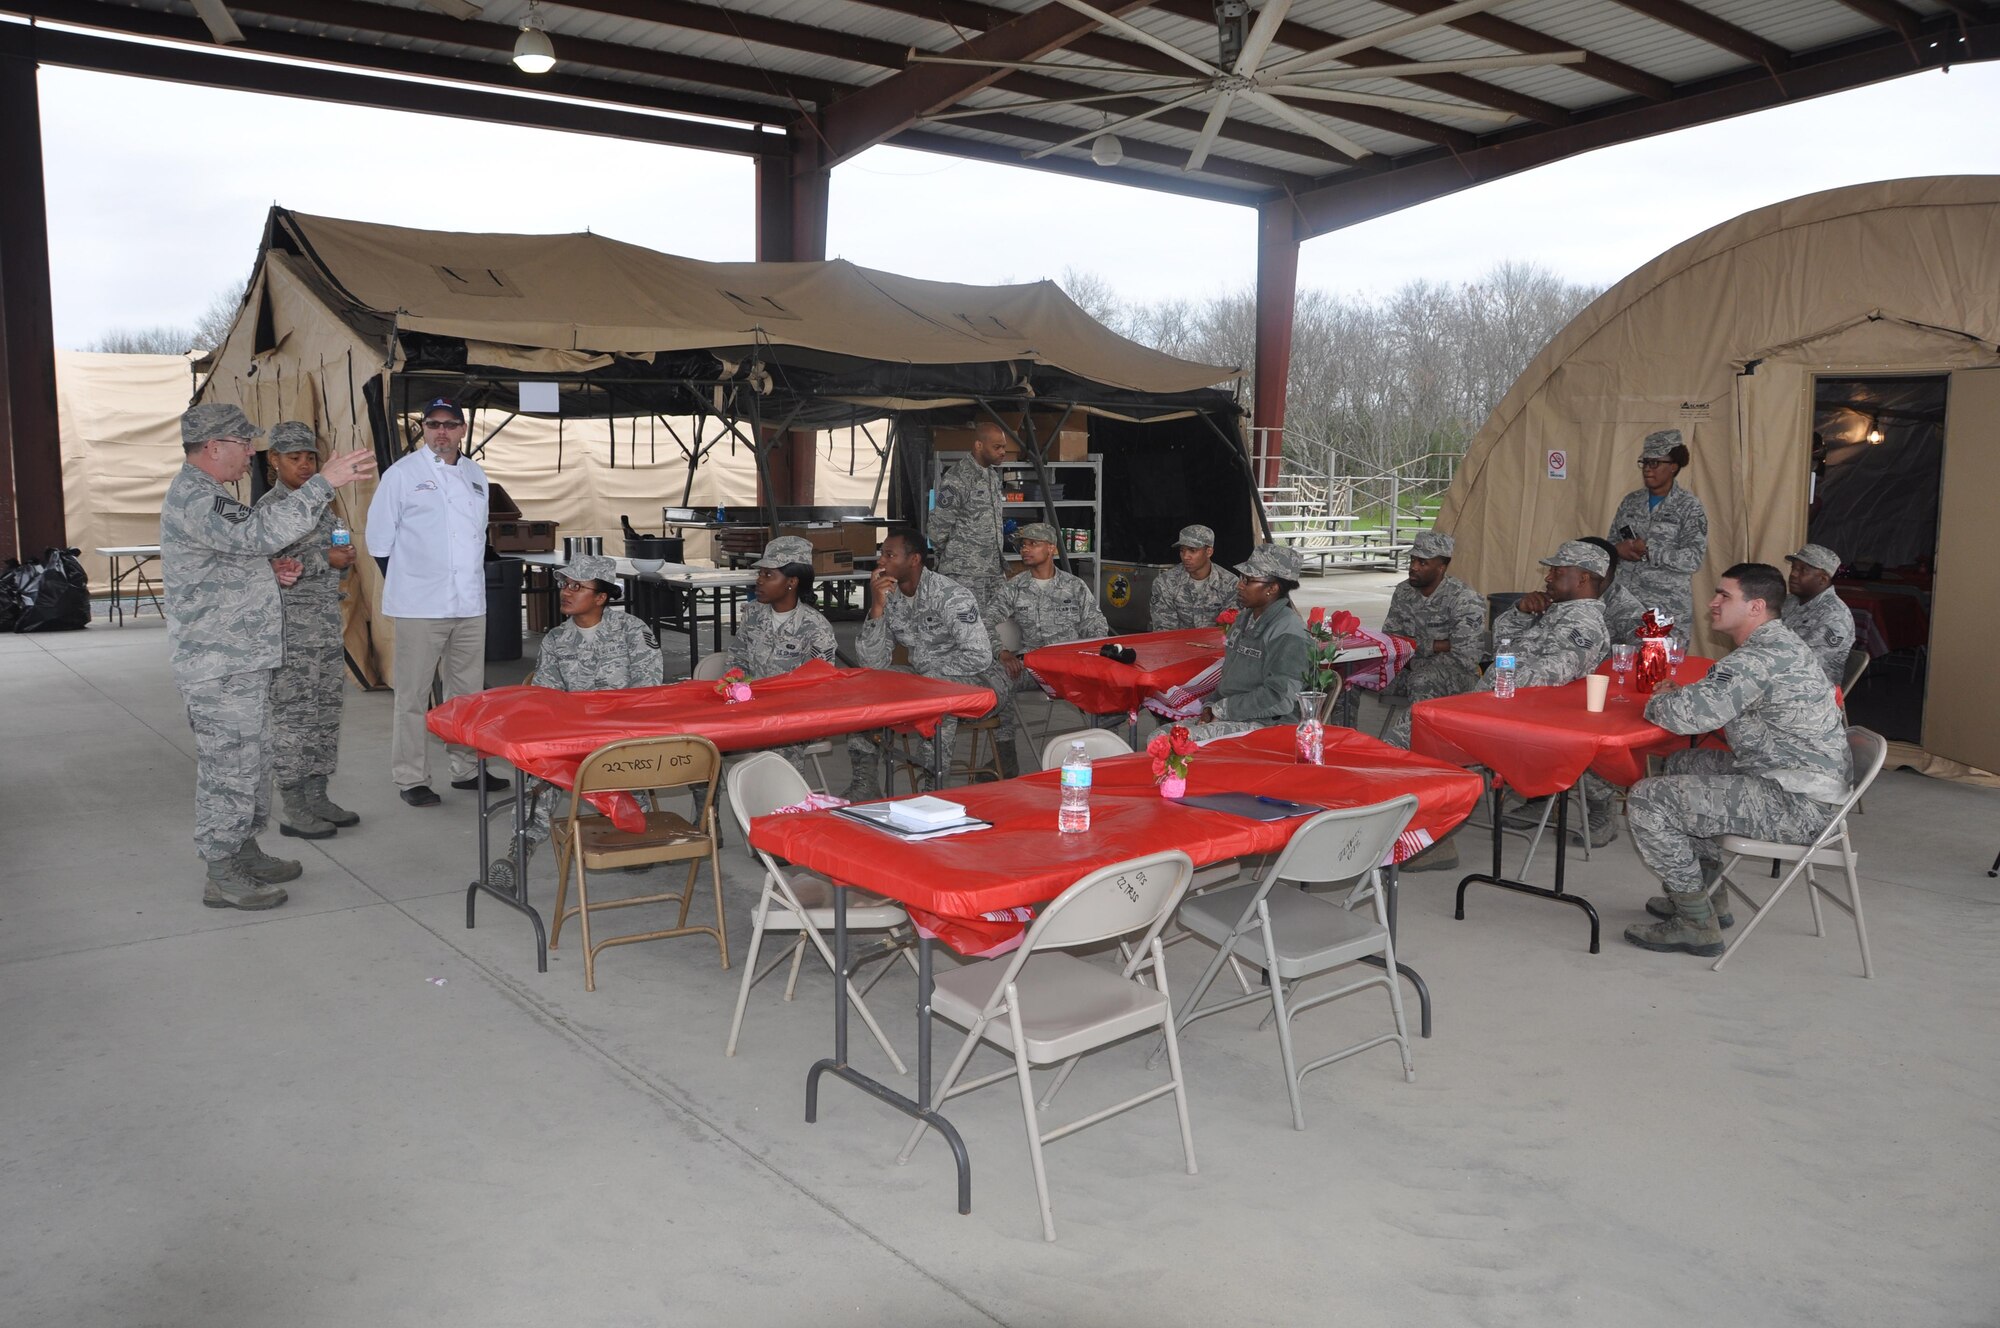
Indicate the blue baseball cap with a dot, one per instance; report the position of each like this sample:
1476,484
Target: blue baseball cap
446,403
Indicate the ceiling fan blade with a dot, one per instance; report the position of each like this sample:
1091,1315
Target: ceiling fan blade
1418,68
916,57
1413,105
1213,126
1299,120
1142,36
1449,14
1116,125
216,18
1261,33
974,112
458,9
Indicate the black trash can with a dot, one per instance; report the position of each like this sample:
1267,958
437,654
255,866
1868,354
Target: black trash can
503,609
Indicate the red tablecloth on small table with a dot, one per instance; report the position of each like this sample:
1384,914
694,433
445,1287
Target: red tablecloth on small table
1024,860
547,733
1542,740
1902,620
1078,674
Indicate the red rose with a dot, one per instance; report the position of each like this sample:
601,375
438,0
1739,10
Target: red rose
1226,618
1344,624
1317,616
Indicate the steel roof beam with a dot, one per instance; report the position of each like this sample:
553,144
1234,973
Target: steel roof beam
1514,36
1704,26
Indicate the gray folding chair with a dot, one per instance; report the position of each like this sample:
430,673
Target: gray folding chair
1045,1007
1098,743
1830,848
1295,935
1850,678
799,901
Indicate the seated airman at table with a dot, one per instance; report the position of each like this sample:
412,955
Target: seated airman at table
591,651
1265,653
1447,620
1048,605
1622,609
1558,635
937,621
1784,775
781,628
1193,593
1816,615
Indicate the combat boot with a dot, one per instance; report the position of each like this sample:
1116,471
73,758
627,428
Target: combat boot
1662,906
1691,930
230,885
503,872
326,808
298,820
1010,760
1603,825
263,867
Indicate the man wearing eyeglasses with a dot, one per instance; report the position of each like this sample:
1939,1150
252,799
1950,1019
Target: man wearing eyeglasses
428,520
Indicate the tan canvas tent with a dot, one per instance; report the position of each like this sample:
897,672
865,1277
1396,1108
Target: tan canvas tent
351,326
1724,337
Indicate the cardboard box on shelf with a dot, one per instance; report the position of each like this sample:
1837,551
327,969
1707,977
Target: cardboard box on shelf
832,560
1071,444
521,536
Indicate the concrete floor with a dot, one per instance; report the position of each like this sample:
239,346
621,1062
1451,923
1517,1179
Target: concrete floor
354,1110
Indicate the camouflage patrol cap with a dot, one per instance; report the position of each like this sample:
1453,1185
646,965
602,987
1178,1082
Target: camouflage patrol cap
1575,553
1277,562
1816,555
787,551
293,436
1195,537
215,419
590,567
1038,530
1431,544
1660,445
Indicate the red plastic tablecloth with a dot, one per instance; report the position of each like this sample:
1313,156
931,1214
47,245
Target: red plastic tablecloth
1100,686
1542,740
547,733
1903,620
1023,859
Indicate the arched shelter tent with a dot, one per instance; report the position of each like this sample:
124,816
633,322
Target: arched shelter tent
1727,337
353,326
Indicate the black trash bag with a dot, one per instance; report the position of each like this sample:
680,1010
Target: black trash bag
60,600
13,580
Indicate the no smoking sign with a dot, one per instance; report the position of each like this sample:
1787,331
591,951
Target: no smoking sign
1558,464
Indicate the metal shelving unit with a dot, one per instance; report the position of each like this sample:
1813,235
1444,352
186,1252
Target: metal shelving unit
1069,508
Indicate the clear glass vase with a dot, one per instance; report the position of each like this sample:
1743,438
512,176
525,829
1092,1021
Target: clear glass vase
1311,733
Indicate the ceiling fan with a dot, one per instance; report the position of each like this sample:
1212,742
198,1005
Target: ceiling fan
1240,74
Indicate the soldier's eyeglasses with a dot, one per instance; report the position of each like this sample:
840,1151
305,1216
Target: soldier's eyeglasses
1651,462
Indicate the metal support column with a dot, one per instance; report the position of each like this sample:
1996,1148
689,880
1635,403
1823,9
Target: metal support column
31,494
792,192
1277,299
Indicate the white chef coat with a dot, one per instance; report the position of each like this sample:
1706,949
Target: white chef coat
429,520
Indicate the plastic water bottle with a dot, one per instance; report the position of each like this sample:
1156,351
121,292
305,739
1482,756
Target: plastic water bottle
1503,670
341,537
1074,818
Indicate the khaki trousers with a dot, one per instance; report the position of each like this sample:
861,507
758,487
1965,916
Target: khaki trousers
453,649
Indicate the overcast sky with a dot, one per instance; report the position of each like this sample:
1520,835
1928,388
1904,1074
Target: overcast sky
157,195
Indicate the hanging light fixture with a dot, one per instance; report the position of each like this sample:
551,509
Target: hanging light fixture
1106,150
532,52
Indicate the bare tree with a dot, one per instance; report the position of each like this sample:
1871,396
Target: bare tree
1094,295
143,341
212,327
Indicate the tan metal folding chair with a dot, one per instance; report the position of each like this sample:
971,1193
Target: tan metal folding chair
800,901
682,763
1830,848
1294,935
1045,1007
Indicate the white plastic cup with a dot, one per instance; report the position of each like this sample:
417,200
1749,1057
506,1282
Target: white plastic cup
1595,687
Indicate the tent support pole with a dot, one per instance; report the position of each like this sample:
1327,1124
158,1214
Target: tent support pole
1235,449
31,492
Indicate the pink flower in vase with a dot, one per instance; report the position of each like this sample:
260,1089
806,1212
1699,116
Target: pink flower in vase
1173,786
739,691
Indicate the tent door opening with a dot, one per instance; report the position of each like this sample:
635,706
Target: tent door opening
1878,458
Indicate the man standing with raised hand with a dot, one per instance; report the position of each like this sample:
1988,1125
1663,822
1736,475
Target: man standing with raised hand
427,524
221,575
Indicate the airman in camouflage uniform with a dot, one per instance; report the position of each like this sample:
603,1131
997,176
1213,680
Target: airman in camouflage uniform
1661,531
965,527
1447,620
1557,637
1193,593
1046,608
309,687
1785,774
1815,614
1265,652
221,574
780,631
591,651
937,621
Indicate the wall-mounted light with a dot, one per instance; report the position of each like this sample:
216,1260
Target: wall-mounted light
533,54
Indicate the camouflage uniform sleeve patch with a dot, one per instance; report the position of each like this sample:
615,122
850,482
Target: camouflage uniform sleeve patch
230,510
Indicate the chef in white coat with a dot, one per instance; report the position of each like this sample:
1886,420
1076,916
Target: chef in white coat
428,521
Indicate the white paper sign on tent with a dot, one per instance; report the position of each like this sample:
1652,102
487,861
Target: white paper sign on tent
1558,464
541,398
